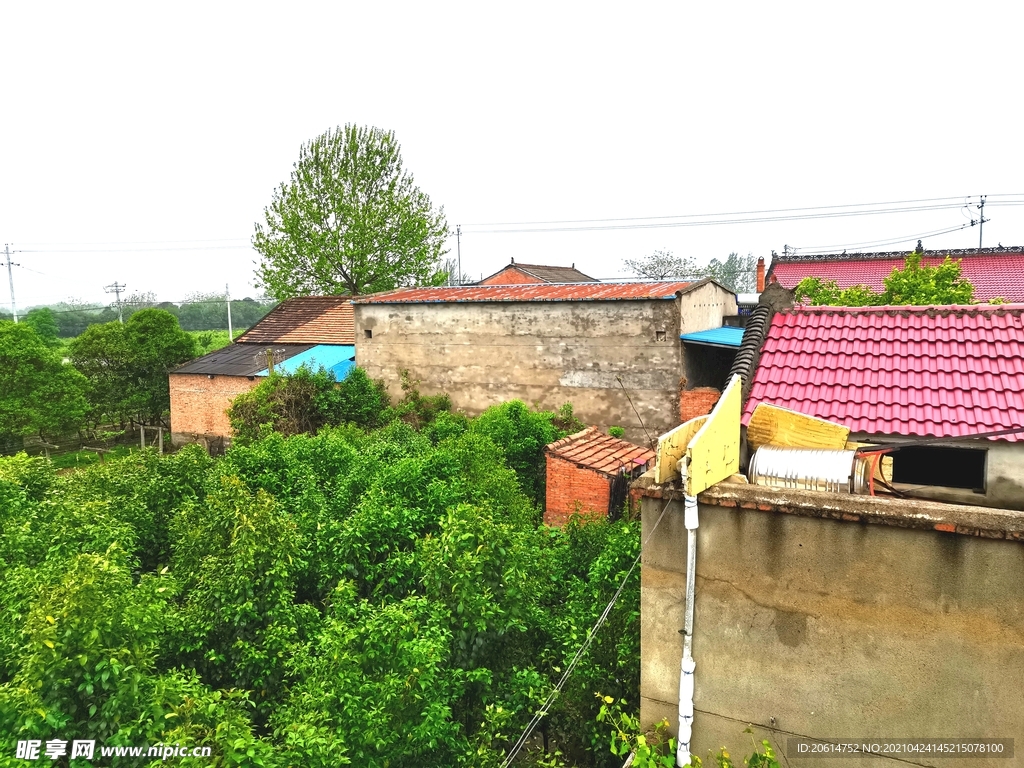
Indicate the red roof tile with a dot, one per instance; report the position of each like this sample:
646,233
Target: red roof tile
595,450
306,320
994,272
515,273
539,292
914,371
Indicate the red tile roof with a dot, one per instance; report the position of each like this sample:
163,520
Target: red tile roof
595,450
994,272
539,292
306,320
517,274
915,371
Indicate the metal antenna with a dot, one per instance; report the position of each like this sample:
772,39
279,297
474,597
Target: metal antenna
116,288
10,276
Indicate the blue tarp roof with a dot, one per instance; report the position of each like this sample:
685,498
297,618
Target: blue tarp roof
336,358
726,336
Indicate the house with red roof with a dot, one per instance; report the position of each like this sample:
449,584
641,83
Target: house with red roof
994,272
943,384
315,331
588,473
614,350
523,274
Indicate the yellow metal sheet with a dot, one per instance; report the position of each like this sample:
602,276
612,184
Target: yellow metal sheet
672,447
772,425
714,452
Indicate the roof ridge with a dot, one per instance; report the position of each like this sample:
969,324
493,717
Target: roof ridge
791,258
932,309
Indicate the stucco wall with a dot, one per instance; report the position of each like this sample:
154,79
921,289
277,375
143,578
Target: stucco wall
835,628
704,306
544,353
199,404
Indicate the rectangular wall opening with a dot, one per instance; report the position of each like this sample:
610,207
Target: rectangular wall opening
942,466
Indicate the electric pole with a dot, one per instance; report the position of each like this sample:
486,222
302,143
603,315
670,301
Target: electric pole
10,277
227,295
458,249
981,219
116,289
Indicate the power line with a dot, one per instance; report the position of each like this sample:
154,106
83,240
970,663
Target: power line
116,289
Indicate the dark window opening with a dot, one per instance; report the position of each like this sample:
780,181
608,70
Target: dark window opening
368,333
706,366
947,467
659,335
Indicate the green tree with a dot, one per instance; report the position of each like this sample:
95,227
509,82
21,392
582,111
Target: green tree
43,321
38,392
128,364
738,273
662,265
912,284
349,221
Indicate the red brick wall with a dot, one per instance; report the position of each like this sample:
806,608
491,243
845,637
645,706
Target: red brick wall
570,487
510,276
697,402
199,404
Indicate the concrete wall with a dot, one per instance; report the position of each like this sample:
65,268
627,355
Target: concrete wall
1004,474
570,488
199,404
808,623
704,306
543,353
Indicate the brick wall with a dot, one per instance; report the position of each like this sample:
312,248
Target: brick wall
570,487
199,404
697,402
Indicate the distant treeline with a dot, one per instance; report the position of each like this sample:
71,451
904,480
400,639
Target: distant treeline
201,312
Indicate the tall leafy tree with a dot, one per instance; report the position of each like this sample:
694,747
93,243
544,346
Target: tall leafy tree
350,220
38,392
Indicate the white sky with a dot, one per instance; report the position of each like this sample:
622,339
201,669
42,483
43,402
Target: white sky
133,138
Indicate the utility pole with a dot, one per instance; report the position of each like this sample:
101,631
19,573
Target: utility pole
227,295
116,289
981,219
10,277
458,248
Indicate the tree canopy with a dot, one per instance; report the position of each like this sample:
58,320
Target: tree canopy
127,364
735,272
913,284
38,392
350,220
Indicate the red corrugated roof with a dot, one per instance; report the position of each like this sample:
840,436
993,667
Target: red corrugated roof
995,272
540,292
915,371
306,320
595,450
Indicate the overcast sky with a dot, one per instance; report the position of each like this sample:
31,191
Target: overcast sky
139,143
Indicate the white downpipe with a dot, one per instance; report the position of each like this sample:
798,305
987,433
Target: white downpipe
687,666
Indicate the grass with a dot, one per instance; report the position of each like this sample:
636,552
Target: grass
84,457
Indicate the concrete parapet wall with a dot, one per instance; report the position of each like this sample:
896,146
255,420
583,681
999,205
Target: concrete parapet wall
836,617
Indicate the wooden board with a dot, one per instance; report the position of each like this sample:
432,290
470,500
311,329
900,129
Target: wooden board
672,447
714,452
772,425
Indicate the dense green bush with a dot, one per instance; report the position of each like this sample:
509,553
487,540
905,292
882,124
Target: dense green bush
380,597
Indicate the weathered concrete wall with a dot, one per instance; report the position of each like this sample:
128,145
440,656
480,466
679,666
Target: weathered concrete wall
836,628
1004,486
704,306
543,353
199,404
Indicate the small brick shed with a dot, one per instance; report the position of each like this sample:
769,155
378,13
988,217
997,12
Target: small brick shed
582,470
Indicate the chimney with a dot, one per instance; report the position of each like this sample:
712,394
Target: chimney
760,273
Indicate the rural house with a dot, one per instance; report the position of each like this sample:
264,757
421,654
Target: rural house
611,349
521,274
935,380
589,473
312,330
994,272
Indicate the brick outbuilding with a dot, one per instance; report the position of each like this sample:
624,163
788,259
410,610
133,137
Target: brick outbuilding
589,473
